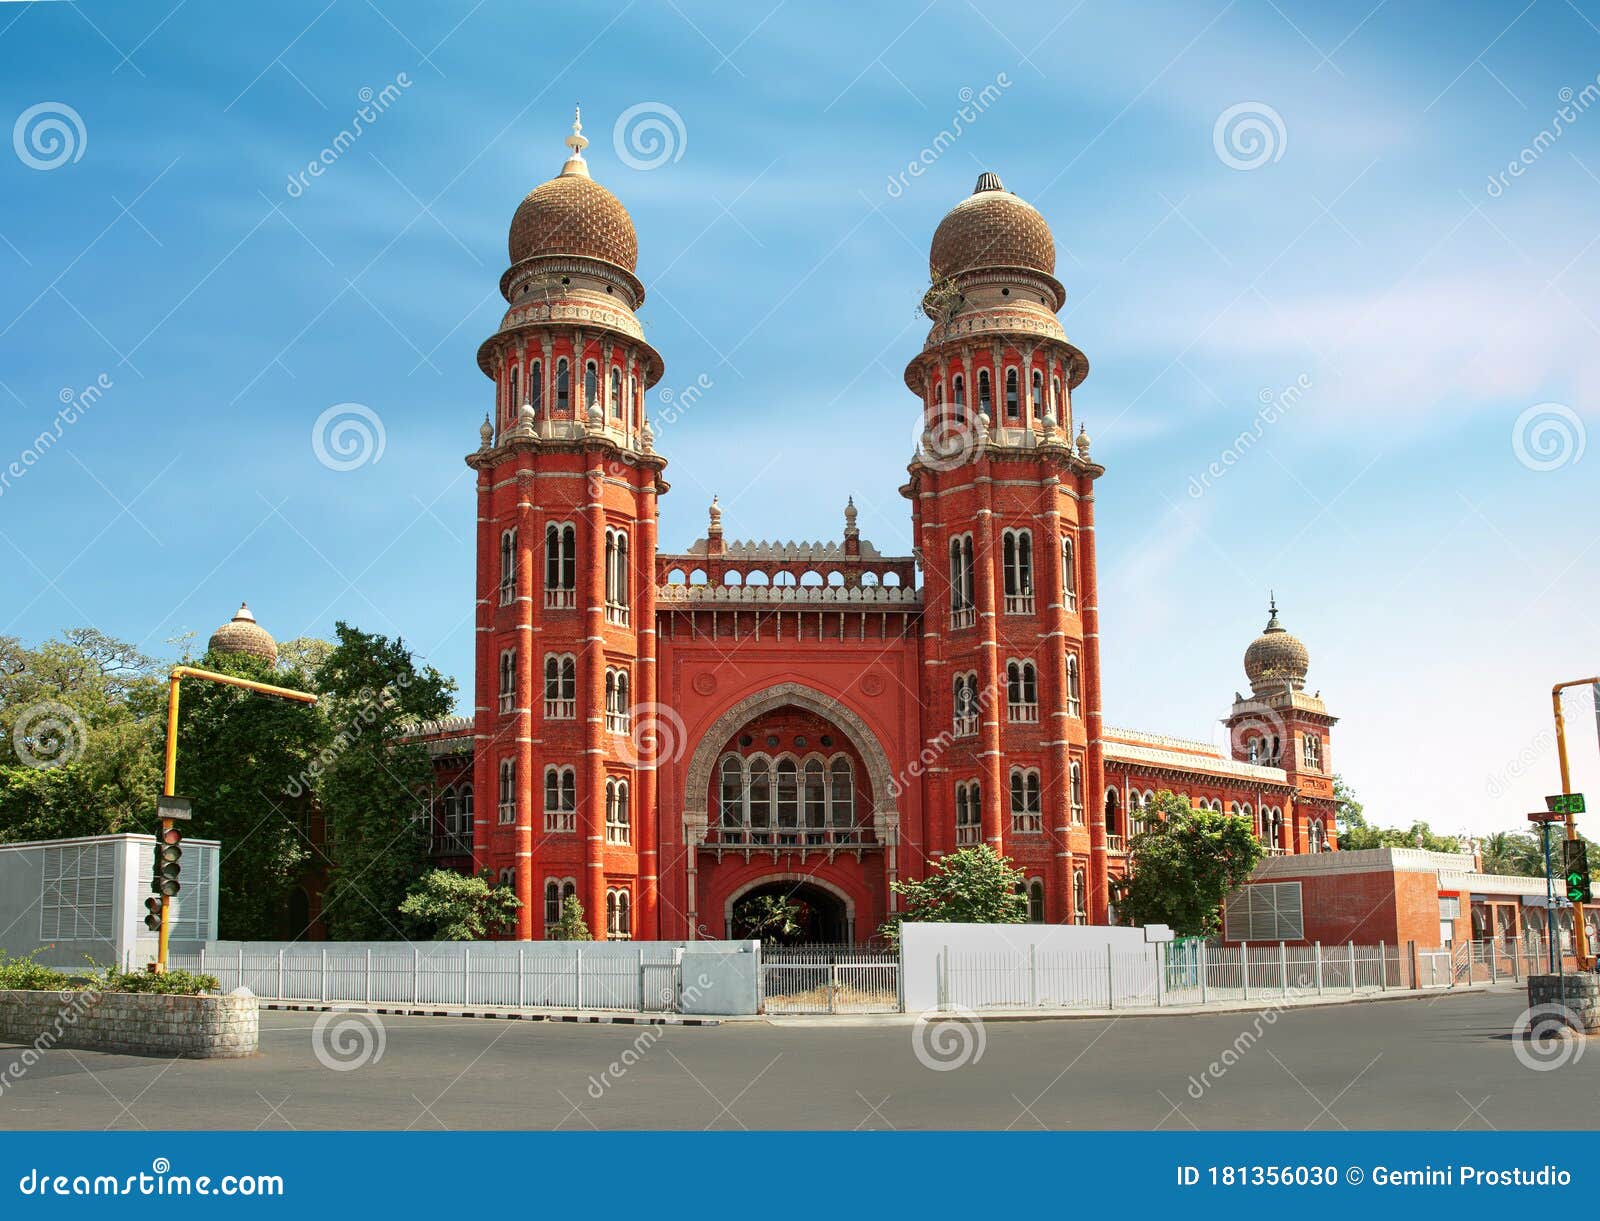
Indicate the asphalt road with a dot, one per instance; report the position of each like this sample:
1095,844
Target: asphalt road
1446,1062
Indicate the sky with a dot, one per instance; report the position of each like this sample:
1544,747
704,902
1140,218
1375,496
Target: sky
1339,349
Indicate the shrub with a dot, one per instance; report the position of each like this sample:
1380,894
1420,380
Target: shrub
24,973
173,983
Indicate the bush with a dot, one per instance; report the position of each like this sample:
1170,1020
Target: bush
173,983
24,973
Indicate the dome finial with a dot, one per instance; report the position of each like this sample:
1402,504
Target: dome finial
1272,613
577,142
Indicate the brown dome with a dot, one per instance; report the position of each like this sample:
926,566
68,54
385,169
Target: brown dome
1276,658
991,228
242,634
574,215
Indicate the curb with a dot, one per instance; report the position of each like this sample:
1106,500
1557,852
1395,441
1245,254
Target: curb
510,1015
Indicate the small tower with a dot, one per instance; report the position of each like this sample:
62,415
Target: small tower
1279,725
567,484
242,634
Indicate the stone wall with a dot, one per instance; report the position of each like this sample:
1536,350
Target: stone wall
1578,993
196,1027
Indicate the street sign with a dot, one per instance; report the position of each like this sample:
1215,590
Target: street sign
175,807
1565,803
1546,816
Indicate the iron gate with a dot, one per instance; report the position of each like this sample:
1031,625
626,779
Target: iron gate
830,979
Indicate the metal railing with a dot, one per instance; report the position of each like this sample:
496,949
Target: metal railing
830,979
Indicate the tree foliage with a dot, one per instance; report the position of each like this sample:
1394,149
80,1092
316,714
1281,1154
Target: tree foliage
574,925
771,919
373,786
969,886
447,906
1184,864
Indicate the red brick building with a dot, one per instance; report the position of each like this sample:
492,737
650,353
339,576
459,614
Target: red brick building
667,735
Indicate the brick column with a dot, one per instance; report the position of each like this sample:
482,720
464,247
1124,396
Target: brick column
1094,771
1055,795
485,784
646,826
592,701
983,562
528,786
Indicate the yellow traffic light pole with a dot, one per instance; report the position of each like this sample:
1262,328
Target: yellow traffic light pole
1580,936
170,781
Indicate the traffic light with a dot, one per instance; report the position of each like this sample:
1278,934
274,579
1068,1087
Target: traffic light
169,854
152,919
1575,864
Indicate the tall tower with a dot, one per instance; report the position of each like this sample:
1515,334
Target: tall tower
1280,725
567,487
1003,514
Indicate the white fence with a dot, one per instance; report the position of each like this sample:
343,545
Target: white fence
830,979
636,977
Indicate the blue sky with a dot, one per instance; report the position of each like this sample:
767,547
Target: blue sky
1441,576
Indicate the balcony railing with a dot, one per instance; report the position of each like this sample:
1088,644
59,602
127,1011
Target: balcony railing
966,726
969,835
1022,714
616,614
787,837
560,710
1030,823
1114,843
964,616
556,821
1019,604
560,599
451,844
618,722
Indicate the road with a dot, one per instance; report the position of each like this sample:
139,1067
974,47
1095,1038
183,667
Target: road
1446,1062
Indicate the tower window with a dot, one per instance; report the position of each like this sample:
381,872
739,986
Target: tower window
618,577
1037,405
616,393
508,566
536,386
560,798
515,403
508,792
781,801
958,395
1069,573
560,686
961,604
1074,699
591,384
1016,551
618,829
966,704
1075,791
1313,752
1080,897
969,814
985,398
1027,812
560,566
1013,400
508,680
1036,901
563,386
619,710
1022,692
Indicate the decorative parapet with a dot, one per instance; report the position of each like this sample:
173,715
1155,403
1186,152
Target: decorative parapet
1187,761
746,551
839,596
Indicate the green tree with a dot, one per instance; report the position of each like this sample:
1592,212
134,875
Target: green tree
771,919
969,886
449,906
243,758
574,924
373,788
1184,864
1518,853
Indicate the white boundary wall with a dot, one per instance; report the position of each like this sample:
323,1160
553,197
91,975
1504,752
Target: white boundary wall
1001,964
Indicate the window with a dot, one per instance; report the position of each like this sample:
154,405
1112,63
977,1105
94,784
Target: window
616,393
618,828
1027,815
961,605
1313,751
1036,403
515,402
1016,550
841,793
958,394
1272,829
619,914
1138,803
508,680
1074,699
1022,692
969,814
1266,911
1055,399
1013,400
556,893
591,385
1449,907
1080,897
78,897
508,791
560,798
1036,901
560,566
536,386
1069,574
617,577
560,686
563,386
762,800
1075,791
985,399
1318,836
619,709
966,704
508,566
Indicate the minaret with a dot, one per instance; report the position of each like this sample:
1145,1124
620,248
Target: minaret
1003,512
567,487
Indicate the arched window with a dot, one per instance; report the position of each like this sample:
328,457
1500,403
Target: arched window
508,680
958,391
560,566
1080,897
966,704
552,903
1069,573
619,707
985,398
560,798
1113,823
1055,400
1036,901
591,384
760,797
560,686
1013,398
1075,791
563,386
619,914
841,794
1036,404
1022,692
1074,700
1313,752
617,577
508,791
515,402
788,795
961,603
969,814
1016,551
1027,815
815,793
618,822
1318,836
536,386
732,795
508,566
616,393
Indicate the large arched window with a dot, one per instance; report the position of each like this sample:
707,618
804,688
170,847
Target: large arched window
969,814
1016,551
563,386
1022,692
560,566
1027,814
732,792
766,800
508,566
560,686
1013,397
759,795
1069,573
508,681
560,798
841,793
508,791
1074,698
787,790
815,795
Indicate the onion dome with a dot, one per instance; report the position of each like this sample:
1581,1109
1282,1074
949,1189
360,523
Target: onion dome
991,228
573,215
1275,658
242,634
